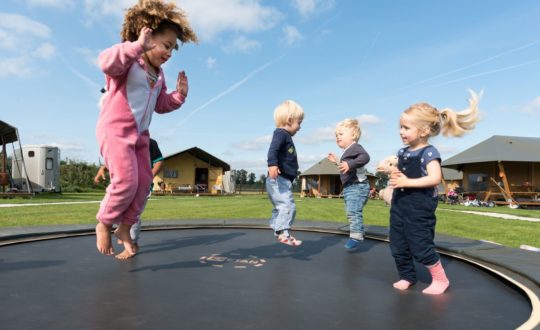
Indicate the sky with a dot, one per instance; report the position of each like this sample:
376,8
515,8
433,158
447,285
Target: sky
338,59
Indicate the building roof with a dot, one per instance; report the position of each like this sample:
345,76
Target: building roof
323,167
8,133
498,148
204,156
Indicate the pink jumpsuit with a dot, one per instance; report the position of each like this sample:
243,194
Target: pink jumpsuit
122,130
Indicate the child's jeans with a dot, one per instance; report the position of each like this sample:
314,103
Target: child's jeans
280,193
356,196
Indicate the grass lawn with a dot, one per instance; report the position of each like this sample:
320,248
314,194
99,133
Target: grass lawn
507,232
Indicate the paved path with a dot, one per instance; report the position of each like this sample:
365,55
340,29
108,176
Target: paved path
497,215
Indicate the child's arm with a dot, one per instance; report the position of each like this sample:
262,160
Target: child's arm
273,151
332,157
117,60
432,179
361,158
169,102
100,175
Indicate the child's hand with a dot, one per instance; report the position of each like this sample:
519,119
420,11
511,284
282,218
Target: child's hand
100,175
332,157
398,179
343,167
273,172
145,39
182,84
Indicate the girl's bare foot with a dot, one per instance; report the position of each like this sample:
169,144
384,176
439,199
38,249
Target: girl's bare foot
103,239
122,233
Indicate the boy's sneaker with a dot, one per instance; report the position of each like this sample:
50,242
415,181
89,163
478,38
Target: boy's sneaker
289,240
352,244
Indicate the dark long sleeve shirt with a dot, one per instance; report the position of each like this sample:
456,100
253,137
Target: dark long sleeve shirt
356,157
282,153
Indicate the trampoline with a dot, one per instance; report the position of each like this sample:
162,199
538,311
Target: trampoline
224,274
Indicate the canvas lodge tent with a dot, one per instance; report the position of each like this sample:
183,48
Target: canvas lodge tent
322,180
502,169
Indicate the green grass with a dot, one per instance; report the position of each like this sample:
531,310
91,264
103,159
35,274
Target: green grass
507,232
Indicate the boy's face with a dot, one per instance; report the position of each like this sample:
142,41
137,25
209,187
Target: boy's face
344,137
293,126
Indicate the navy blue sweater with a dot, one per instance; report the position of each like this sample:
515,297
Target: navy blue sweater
282,154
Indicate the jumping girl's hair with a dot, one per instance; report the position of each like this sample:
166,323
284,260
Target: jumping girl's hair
352,125
158,16
286,111
446,121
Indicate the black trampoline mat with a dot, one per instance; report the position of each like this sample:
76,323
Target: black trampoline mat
240,279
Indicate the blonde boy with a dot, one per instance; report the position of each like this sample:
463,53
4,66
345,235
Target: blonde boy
353,177
283,169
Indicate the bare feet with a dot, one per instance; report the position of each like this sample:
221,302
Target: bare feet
103,239
122,233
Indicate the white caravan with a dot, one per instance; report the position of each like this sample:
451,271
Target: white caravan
42,168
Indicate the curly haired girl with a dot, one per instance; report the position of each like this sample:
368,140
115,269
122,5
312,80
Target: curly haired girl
135,88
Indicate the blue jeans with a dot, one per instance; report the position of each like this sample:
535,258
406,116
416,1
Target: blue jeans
280,193
356,196
135,231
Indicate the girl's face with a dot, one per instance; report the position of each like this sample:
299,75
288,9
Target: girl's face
410,134
293,126
344,137
165,43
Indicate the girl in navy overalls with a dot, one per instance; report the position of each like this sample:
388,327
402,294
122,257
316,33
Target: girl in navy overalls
412,215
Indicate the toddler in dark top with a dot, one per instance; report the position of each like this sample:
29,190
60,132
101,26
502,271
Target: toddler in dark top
352,170
283,169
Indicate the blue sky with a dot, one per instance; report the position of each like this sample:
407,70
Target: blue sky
363,59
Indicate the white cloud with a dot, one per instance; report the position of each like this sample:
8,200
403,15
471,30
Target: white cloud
20,25
319,135
10,67
291,35
57,4
213,17
209,18
532,107
22,38
210,62
45,51
307,8
446,149
258,143
242,44
369,119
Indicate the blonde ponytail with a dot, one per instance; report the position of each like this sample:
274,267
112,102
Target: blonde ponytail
447,121
458,123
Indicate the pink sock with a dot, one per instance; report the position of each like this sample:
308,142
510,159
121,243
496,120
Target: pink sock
402,285
439,282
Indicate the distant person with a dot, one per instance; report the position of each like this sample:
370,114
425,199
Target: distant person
283,169
157,163
415,181
353,175
135,88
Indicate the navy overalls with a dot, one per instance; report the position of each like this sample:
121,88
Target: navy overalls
412,219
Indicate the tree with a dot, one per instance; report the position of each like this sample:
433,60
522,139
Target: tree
251,178
78,176
241,176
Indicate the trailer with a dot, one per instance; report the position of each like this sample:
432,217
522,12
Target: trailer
42,168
